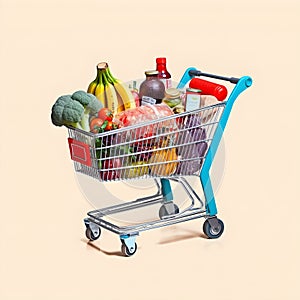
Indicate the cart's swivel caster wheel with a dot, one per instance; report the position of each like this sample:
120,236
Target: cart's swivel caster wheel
129,245
168,209
93,233
128,251
213,228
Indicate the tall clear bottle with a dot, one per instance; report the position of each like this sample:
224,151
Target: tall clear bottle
163,74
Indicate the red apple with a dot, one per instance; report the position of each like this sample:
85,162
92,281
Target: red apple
114,164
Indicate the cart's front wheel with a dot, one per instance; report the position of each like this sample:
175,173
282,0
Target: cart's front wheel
92,235
214,229
168,209
128,251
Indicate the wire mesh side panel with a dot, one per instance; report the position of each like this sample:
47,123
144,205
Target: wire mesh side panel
195,134
172,146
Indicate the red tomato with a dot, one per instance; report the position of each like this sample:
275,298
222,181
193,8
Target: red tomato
95,124
105,114
109,125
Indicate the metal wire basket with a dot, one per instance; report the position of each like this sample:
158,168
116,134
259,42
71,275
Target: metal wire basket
167,147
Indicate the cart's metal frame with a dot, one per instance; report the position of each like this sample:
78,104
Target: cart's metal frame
213,226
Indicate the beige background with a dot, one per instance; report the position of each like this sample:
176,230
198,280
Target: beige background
49,48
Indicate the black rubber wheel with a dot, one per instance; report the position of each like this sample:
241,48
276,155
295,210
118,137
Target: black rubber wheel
168,209
213,232
90,235
128,252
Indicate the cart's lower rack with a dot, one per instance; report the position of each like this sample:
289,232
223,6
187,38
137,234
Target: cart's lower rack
134,230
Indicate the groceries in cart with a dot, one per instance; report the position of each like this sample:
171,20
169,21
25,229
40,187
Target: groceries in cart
146,130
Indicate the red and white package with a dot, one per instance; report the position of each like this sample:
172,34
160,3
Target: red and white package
142,114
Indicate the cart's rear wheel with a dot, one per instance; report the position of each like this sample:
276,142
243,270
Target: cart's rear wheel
128,251
213,231
168,209
92,235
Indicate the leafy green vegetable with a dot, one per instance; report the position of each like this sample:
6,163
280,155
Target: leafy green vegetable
91,106
66,111
75,110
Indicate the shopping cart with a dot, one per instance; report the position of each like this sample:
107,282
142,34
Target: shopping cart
167,149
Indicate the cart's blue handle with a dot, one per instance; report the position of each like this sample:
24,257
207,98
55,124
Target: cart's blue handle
242,84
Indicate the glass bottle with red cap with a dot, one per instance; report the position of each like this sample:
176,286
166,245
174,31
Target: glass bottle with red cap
163,74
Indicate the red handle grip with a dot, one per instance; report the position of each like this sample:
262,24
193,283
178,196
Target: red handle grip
209,88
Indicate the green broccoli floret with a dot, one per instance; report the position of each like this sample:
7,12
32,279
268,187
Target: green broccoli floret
90,103
75,110
67,111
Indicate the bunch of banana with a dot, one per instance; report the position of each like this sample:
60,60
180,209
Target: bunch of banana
112,93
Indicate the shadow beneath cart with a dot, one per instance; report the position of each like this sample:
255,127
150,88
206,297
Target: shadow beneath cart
110,253
189,234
